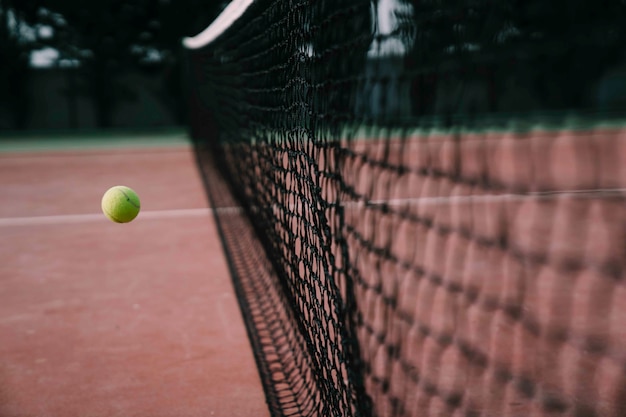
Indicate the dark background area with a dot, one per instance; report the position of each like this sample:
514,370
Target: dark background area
72,64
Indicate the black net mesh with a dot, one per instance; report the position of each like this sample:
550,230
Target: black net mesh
422,203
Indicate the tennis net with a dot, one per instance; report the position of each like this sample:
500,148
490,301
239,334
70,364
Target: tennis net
422,203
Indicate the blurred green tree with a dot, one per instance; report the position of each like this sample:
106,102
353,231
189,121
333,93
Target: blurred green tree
105,39
17,41
560,48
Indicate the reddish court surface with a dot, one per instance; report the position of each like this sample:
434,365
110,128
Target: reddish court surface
503,258
102,319
488,273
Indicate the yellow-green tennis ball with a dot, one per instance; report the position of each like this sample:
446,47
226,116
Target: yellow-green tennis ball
120,204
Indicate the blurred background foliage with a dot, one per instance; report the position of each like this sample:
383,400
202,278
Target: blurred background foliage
97,42
455,56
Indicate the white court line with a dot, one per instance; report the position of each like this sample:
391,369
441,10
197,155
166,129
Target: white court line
201,212
99,217
543,195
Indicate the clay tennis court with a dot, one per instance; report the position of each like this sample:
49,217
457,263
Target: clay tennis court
102,319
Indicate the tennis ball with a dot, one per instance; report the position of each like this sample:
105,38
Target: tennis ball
120,204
